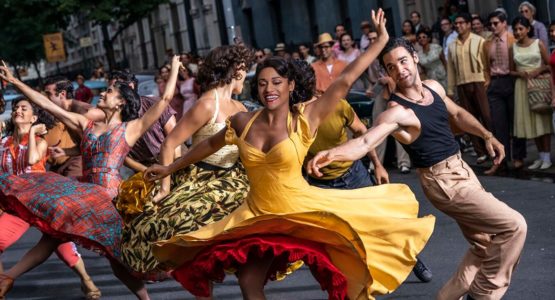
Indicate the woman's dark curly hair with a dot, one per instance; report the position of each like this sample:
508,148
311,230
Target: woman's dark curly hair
412,28
524,22
294,70
43,117
223,64
2,104
425,30
130,110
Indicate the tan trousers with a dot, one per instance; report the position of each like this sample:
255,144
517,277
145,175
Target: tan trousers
495,231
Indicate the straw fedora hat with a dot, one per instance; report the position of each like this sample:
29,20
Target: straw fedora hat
280,47
324,38
365,24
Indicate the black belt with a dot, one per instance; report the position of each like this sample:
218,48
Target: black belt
500,76
210,167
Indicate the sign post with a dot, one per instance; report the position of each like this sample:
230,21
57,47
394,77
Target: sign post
54,47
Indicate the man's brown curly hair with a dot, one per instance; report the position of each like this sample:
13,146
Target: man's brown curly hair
223,64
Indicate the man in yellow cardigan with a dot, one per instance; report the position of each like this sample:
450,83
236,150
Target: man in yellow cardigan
465,71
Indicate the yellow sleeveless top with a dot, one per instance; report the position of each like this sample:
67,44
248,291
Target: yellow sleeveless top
372,235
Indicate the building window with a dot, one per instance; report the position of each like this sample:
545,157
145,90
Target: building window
176,26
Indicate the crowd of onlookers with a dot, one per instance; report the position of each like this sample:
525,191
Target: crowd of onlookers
492,66
497,69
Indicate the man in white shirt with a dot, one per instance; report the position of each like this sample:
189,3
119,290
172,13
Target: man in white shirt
449,35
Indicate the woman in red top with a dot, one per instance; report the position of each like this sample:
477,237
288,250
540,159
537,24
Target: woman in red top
552,65
22,150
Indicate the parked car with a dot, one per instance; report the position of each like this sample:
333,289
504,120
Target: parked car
11,94
147,86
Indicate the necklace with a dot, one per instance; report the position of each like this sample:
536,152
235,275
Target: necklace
417,101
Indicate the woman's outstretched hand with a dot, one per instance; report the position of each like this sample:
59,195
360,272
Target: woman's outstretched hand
176,63
379,20
6,74
156,172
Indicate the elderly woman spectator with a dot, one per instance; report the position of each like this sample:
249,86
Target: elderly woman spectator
430,57
528,10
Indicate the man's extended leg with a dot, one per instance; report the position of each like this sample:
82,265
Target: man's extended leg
453,188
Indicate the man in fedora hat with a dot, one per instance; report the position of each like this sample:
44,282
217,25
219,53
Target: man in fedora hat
280,50
327,68
364,41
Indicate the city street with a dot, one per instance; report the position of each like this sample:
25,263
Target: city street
167,75
534,276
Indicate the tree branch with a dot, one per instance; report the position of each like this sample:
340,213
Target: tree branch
120,30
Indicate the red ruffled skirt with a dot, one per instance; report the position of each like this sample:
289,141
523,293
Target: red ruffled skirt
211,263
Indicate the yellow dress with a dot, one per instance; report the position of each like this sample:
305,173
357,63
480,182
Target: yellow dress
372,235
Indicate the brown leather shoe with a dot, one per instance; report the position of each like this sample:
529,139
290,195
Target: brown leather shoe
6,284
494,169
491,171
518,164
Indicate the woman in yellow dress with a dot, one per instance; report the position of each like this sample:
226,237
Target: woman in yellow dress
355,250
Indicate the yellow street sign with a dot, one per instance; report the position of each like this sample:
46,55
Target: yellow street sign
54,47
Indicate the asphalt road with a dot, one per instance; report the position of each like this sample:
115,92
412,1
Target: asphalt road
534,278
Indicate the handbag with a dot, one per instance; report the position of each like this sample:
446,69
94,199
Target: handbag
539,93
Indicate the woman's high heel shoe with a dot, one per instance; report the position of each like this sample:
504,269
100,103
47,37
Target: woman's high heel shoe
93,294
6,284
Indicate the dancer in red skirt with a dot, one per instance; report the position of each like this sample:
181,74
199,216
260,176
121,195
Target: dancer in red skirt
82,212
22,150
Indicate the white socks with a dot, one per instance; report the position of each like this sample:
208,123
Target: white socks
545,156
